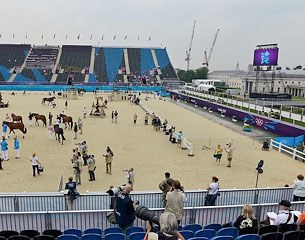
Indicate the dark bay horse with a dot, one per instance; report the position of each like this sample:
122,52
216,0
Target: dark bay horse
67,119
48,99
40,117
16,125
16,118
59,132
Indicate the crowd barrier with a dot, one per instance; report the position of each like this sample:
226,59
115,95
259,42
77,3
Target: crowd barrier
86,219
27,202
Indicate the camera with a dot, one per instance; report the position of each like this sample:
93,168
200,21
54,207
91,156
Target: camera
145,214
114,190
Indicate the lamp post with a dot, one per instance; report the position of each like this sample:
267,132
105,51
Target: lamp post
259,170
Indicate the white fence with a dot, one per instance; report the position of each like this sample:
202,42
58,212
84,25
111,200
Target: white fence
295,154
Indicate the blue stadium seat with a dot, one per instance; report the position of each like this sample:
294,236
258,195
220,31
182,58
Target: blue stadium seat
180,228
222,238
214,226
112,230
294,235
249,237
287,227
52,232
19,237
114,236
93,230
91,236
272,236
208,233
135,229
73,231
199,238
187,234
193,227
229,231
137,236
68,237
267,229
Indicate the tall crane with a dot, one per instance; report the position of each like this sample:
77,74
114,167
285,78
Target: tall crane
188,52
206,57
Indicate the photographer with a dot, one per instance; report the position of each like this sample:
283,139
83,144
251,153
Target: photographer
91,167
71,192
124,208
175,200
130,176
165,186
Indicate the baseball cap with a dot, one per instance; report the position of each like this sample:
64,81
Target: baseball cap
285,203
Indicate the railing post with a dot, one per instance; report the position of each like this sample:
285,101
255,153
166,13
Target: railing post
280,147
16,204
191,154
294,154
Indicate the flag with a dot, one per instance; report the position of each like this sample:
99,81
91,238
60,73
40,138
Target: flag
138,38
114,37
54,36
149,38
102,37
78,36
91,37
66,36
125,37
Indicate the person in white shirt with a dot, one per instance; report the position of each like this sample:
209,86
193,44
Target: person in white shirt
299,188
35,163
284,216
212,195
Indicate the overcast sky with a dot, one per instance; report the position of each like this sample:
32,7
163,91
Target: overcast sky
243,24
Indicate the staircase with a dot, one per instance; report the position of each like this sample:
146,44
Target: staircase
12,77
91,68
54,77
126,61
154,56
86,78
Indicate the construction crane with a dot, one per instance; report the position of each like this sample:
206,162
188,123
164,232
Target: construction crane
188,52
206,57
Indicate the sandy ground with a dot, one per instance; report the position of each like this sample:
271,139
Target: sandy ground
138,146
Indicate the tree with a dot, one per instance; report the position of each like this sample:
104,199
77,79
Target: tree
187,76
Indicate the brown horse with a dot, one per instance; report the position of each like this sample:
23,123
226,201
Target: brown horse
49,100
40,117
67,119
59,132
16,125
16,118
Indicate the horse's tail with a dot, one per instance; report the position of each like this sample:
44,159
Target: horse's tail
24,130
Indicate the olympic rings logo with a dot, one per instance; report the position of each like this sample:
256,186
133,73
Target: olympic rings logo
259,122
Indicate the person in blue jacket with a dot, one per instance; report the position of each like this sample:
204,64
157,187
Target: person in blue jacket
4,149
17,147
4,130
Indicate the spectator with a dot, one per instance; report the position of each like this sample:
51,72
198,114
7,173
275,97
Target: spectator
80,125
299,188
4,149
169,227
108,159
75,129
85,112
77,170
71,193
135,117
130,177
179,138
50,118
17,147
265,145
116,116
229,150
284,216
30,119
246,222
35,164
4,130
175,200
124,209
66,104
51,131
165,186
218,154
212,195
91,168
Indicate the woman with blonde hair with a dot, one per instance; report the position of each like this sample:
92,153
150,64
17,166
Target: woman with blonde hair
246,222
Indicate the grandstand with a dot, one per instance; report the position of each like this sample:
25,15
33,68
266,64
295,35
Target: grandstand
26,64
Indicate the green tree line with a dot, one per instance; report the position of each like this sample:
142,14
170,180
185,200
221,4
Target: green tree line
187,76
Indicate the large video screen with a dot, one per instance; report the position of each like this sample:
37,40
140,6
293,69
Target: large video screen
266,57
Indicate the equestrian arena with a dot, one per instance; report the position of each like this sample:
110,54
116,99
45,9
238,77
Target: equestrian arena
136,145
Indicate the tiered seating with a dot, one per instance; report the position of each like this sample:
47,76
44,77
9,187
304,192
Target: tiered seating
74,59
100,65
113,60
13,55
63,78
147,62
165,65
42,57
134,56
28,73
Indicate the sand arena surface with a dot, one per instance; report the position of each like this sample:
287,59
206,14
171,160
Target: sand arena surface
138,146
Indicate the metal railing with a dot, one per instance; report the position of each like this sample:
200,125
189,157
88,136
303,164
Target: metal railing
28,202
62,220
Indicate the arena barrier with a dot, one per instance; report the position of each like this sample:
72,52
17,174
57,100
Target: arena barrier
293,152
62,220
185,143
32,202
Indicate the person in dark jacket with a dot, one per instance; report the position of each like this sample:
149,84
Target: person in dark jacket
246,222
124,208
